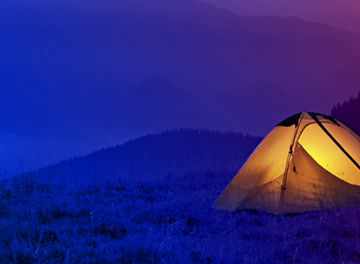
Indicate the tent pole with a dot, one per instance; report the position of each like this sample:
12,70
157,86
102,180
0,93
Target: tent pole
289,158
313,116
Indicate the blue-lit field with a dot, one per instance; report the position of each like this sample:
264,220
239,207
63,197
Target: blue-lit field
167,219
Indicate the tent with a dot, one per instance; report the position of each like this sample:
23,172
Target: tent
308,162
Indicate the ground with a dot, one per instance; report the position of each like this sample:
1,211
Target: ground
171,222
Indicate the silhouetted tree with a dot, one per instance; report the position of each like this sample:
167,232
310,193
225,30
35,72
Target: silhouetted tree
348,112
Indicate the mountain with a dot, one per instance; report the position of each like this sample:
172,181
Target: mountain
348,112
343,14
158,157
96,70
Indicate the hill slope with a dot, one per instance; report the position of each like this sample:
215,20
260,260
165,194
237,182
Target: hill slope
169,221
157,158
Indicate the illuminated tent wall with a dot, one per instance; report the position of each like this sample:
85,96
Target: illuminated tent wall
307,162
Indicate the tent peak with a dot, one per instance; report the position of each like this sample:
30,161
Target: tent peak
294,119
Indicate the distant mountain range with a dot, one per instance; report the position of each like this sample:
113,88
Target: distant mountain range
159,157
343,14
78,75
172,155
132,67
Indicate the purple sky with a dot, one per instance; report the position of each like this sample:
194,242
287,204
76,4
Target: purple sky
344,14
80,75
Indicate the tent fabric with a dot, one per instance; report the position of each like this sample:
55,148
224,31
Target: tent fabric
298,168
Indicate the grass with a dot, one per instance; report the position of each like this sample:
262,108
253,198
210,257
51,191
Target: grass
162,223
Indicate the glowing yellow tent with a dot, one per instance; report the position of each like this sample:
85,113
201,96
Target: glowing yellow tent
308,162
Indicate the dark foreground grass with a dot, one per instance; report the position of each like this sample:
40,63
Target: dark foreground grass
161,223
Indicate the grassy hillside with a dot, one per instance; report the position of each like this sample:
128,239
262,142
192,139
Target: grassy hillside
163,219
162,223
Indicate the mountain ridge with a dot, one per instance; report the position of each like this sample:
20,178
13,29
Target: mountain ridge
340,14
198,48
155,157
76,69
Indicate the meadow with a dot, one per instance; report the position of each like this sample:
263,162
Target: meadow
170,221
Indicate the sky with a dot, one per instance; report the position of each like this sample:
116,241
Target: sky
344,14
77,76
